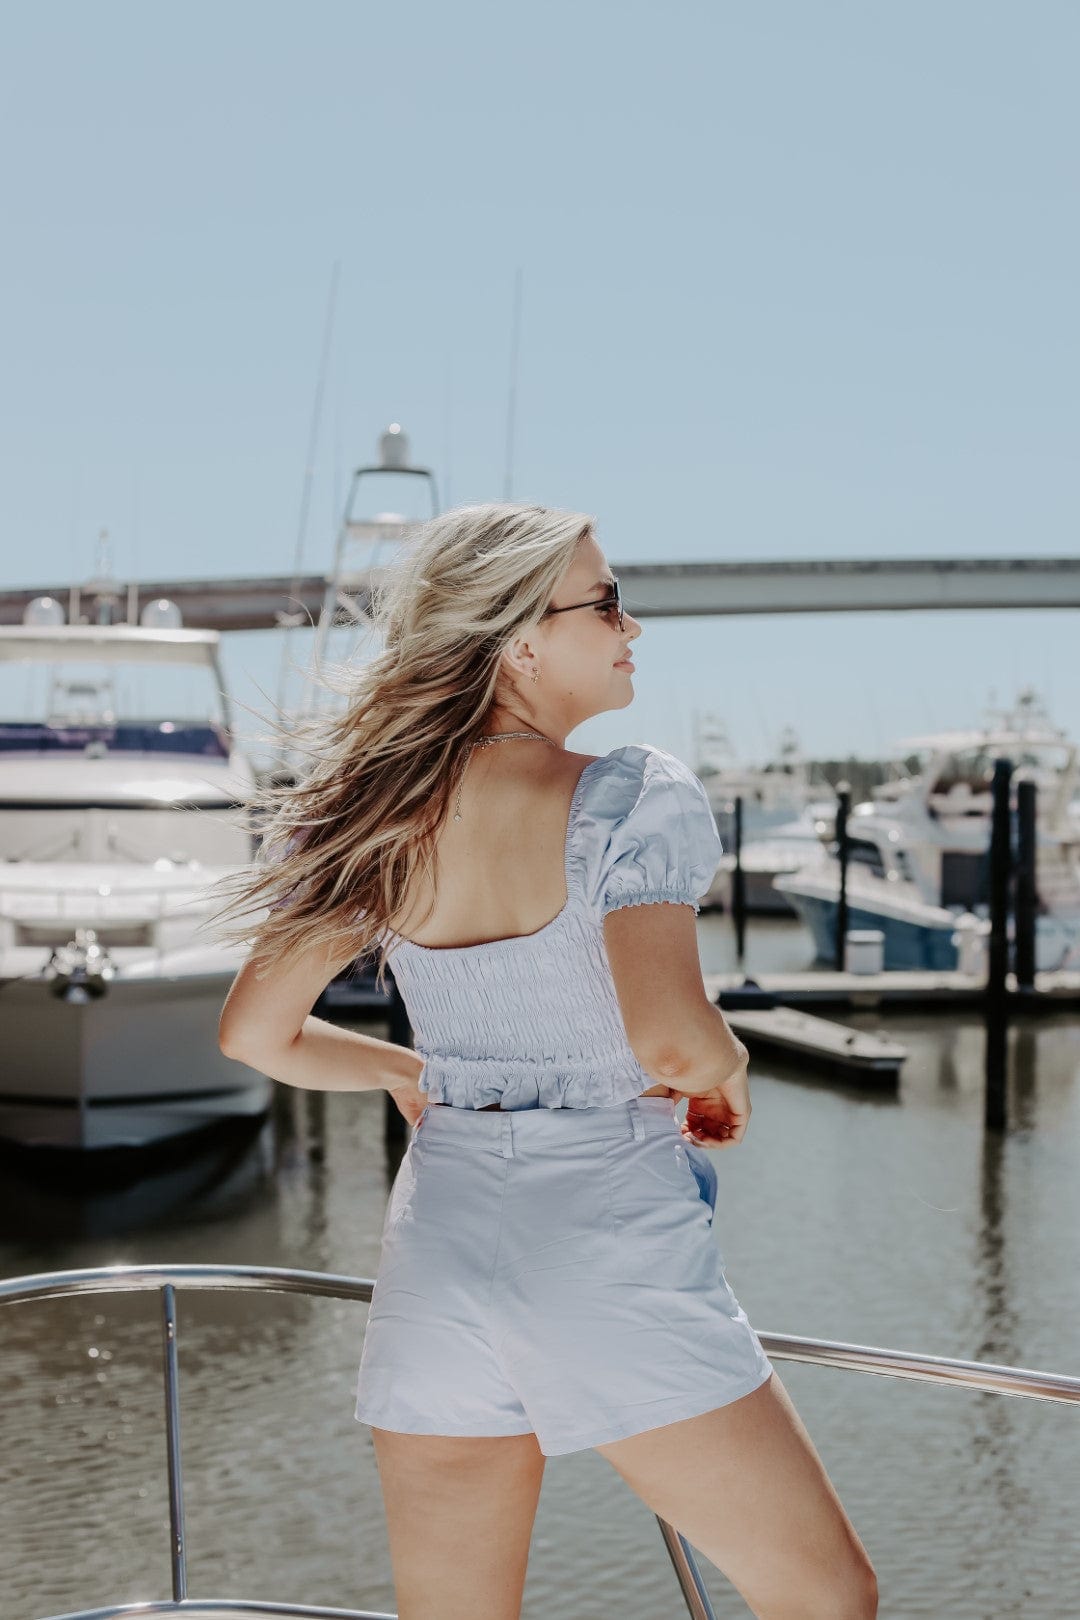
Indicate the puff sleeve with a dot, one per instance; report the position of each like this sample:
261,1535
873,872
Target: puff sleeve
651,832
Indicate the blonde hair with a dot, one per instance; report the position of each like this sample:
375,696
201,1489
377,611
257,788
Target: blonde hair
342,844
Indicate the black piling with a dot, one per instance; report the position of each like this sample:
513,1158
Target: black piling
738,886
996,996
843,806
400,1032
1025,897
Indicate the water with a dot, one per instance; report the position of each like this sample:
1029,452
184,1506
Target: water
879,1219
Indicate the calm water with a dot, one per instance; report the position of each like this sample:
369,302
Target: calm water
885,1220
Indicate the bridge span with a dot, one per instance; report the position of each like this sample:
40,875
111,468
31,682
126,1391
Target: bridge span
650,590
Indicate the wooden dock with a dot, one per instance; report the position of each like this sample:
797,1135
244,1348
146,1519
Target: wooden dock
824,988
1053,991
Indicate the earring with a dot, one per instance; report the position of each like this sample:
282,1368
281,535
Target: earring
536,674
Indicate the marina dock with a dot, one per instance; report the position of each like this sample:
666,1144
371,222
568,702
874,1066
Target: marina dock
916,988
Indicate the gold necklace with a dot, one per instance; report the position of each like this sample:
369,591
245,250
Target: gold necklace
500,736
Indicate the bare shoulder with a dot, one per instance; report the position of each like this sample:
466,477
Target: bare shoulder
551,774
525,794
574,763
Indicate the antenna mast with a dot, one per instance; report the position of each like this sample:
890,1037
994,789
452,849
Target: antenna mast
511,402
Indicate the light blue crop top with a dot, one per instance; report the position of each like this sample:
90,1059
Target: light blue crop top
533,1021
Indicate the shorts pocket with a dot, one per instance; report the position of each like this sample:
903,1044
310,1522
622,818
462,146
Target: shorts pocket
654,1190
669,1162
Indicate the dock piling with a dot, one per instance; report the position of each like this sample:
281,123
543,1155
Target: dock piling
1025,900
843,806
738,886
996,998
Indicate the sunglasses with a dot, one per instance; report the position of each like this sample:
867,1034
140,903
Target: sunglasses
604,604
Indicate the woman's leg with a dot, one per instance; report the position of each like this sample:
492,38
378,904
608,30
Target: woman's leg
459,1515
745,1486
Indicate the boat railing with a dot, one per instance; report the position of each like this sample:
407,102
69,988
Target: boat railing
979,1375
74,902
161,918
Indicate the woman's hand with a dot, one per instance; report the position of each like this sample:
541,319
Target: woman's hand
719,1117
410,1099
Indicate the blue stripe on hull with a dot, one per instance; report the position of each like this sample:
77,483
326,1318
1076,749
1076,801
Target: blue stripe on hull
907,945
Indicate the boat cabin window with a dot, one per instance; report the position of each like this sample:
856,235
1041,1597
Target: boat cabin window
903,864
965,878
861,852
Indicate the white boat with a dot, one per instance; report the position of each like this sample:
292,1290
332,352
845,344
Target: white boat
118,779
787,848
773,793
919,848
784,817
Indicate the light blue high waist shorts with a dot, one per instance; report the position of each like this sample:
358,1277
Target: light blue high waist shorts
551,1270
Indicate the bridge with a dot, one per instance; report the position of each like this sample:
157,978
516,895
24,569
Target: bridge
650,590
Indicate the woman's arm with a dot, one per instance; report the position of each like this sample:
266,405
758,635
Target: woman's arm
267,1023
323,1057
677,1034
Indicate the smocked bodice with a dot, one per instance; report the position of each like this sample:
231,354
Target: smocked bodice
533,1021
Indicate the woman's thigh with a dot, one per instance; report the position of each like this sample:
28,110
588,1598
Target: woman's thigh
459,1516
745,1486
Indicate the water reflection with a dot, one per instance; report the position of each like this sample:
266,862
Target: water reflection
207,1180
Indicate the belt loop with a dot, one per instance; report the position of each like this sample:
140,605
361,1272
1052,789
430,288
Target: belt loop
507,1138
636,1120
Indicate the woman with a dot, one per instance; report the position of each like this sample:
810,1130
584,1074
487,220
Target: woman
548,1279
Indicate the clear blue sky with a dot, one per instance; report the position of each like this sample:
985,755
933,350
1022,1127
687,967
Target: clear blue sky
799,280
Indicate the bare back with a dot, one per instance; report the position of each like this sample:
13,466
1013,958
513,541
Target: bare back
500,869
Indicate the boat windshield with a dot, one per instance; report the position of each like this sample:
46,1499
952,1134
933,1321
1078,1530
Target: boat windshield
122,737
110,705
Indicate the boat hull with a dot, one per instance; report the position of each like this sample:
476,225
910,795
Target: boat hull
907,944
137,1067
917,941
762,899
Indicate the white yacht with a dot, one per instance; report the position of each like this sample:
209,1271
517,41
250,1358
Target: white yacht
784,816
786,848
919,848
773,793
119,784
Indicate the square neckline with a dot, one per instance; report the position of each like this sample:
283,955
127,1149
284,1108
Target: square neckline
514,939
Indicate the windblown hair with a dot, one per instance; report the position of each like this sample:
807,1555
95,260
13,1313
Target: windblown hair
341,845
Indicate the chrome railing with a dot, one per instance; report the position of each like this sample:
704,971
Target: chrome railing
980,1375
111,902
